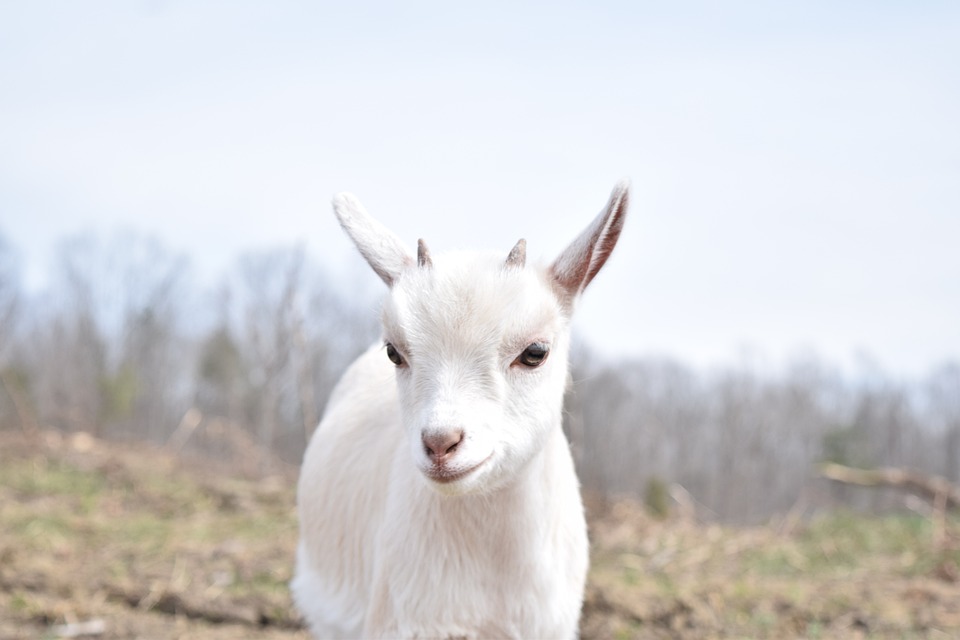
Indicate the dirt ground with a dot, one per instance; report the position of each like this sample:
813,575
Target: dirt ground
107,541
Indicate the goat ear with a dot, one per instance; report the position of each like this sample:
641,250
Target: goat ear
383,250
573,269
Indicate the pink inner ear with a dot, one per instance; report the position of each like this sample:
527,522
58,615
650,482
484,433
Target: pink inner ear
607,240
582,260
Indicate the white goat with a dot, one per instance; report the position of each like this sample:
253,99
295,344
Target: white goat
438,496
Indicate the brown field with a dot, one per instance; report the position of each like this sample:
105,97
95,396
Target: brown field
131,542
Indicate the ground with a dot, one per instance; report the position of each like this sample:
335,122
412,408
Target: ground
133,542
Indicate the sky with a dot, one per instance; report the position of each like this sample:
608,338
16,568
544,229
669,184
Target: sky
795,167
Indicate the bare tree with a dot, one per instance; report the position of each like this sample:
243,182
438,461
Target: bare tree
9,293
943,409
105,338
152,281
13,384
269,295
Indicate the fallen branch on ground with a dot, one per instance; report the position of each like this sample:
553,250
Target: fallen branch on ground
936,488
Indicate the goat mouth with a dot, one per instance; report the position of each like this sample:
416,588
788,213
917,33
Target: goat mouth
440,473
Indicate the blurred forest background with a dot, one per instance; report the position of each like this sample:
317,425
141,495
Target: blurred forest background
123,345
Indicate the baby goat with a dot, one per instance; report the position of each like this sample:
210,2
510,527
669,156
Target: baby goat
438,497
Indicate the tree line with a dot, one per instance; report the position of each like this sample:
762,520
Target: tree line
124,344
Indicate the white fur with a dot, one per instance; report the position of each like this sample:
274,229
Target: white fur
389,551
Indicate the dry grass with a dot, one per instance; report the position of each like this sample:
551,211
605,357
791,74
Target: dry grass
838,576
144,545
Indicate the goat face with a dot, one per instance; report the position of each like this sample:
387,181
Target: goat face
480,348
480,344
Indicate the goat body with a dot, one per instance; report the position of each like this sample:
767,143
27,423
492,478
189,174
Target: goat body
438,497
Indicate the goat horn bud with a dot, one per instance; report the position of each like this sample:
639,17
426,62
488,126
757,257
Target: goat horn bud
518,255
423,254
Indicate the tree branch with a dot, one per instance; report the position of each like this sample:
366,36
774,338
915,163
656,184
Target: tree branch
933,487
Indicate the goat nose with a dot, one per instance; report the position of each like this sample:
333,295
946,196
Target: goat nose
441,445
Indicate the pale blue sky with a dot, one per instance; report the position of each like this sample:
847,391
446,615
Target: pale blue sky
796,166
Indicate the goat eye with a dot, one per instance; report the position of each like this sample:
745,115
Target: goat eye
534,355
394,355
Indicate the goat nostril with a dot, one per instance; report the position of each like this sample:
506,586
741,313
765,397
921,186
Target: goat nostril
442,444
